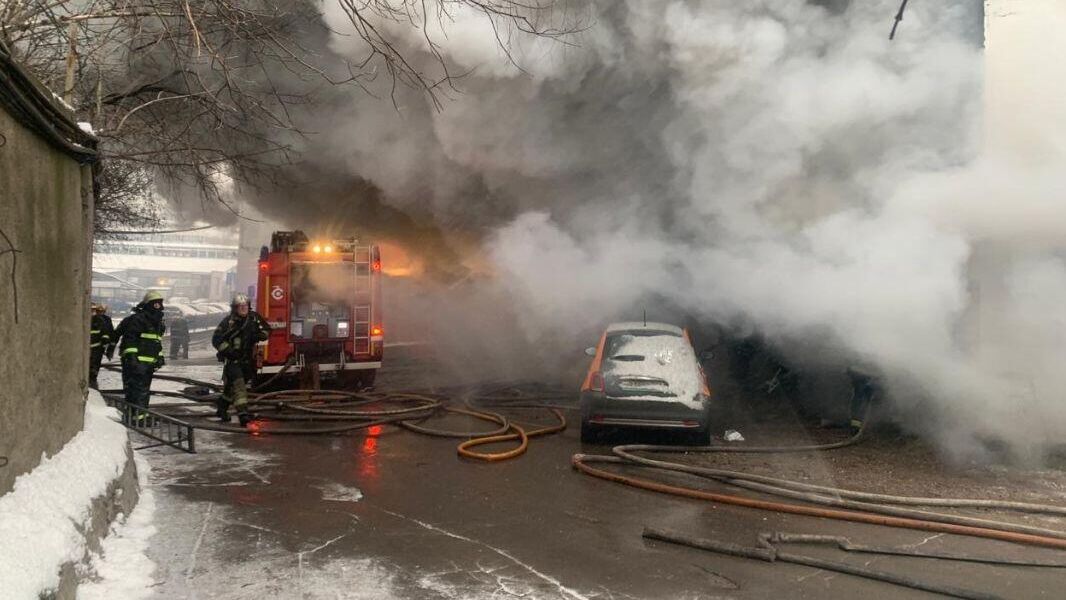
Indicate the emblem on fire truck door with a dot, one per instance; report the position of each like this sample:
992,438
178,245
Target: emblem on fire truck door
277,293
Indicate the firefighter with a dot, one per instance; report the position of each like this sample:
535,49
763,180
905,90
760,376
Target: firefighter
141,349
235,339
179,337
101,341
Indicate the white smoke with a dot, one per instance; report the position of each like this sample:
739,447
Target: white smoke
780,162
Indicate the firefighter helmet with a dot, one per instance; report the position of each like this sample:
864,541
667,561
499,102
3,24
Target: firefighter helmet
239,299
152,296
100,309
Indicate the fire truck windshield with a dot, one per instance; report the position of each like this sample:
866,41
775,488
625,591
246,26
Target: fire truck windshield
322,298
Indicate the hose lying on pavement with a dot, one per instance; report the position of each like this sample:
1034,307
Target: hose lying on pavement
476,407
519,434
336,411
854,510
843,543
767,552
627,453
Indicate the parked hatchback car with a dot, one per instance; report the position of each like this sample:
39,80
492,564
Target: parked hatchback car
645,375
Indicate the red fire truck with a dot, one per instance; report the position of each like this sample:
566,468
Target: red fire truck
322,299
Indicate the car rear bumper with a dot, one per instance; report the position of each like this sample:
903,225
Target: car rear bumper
599,410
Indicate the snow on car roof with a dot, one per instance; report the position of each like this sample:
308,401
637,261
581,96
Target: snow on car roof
640,326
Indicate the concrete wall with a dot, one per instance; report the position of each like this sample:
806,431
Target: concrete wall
46,211
1024,88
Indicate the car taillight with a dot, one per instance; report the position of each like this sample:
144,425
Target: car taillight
596,382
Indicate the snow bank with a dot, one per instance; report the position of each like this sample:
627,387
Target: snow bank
123,569
40,518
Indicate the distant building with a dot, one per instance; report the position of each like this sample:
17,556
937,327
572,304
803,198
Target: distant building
186,265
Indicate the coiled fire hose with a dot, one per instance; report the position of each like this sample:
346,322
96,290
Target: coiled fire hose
335,411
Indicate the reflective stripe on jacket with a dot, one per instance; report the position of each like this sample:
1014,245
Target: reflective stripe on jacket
101,332
235,338
142,337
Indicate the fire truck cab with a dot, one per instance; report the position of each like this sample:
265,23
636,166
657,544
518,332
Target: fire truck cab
322,300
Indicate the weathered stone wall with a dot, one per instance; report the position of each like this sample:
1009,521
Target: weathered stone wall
46,212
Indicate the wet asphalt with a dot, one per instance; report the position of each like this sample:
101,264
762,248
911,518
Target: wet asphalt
391,514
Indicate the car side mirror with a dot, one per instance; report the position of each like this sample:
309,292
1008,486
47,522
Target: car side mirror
707,354
591,351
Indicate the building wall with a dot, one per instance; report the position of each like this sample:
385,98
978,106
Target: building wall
1024,115
45,210
1024,89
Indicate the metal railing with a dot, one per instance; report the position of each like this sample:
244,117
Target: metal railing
165,430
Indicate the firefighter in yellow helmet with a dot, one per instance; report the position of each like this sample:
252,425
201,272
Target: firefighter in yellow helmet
102,341
141,348
235,339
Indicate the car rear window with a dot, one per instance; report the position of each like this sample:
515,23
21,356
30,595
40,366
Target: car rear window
642,363
617,340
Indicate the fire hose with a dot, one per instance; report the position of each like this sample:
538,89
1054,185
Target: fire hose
845,505
411,411
335,412
769,553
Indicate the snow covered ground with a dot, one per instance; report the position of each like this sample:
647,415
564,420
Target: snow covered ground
43,517
123,569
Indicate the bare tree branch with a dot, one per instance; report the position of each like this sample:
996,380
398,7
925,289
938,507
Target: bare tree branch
899,18
197,93
157,231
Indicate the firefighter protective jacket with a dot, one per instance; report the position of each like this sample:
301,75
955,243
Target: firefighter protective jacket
142,336
179,327
235,337
102,334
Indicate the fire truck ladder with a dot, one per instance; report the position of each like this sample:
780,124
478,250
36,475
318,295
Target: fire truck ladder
362,300
165,430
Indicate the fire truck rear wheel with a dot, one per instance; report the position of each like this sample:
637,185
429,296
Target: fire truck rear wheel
355,380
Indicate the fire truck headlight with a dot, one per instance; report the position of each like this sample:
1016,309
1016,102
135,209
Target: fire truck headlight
296,328
328,248
316,248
